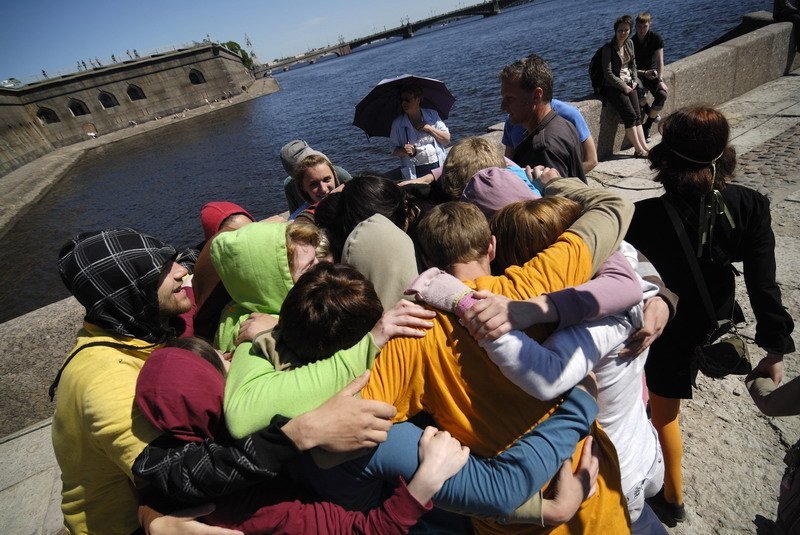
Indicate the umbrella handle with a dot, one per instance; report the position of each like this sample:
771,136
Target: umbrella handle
408,140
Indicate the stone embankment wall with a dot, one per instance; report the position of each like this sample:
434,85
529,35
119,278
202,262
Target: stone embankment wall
33,346
712,76
53,113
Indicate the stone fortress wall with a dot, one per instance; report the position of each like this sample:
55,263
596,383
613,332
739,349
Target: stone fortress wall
39,117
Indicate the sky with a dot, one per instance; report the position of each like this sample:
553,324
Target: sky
53,35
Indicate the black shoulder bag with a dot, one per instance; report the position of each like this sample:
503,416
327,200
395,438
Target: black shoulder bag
723,351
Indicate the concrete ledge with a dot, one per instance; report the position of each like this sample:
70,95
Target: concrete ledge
706,77
755,57
757,52
30,484
34,346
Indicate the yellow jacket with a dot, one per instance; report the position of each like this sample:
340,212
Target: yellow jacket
98,432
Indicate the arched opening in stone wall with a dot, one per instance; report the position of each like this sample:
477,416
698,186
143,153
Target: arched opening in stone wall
107,100
47,116
196,77
135,92
78,107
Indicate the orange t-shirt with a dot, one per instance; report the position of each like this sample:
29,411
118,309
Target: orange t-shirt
447,374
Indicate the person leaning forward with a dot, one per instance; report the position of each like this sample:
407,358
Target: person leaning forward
131,287
447,374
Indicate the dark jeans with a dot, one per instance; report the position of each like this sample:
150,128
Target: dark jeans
626,105
794,18
654,87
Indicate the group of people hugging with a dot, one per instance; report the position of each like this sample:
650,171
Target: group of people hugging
461,352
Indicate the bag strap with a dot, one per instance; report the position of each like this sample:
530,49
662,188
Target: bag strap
52,390
691,259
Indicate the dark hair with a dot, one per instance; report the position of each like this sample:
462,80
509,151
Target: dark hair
362,197
530,72
201,348
325,214
413,89
325,217
691,138
624,19
330,307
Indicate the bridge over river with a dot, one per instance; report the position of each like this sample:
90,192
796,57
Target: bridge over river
407,30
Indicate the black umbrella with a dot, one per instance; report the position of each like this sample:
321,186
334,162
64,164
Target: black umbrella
376,111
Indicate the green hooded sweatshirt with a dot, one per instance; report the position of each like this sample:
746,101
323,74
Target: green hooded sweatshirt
253,265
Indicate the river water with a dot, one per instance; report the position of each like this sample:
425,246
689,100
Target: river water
159,181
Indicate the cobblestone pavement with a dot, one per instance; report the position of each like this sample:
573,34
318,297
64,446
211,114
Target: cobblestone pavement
773,168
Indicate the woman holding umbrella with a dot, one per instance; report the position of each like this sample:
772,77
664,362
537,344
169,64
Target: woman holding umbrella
418,135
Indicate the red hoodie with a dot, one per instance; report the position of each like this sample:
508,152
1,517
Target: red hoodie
181,394
214,213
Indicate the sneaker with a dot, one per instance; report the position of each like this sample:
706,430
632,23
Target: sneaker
668,513
646,129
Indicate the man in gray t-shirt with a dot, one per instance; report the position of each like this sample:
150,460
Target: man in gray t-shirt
526,87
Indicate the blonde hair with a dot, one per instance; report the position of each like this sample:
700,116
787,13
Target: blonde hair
307,163
453,232
644,16
466,158
299,233
323,250
526,228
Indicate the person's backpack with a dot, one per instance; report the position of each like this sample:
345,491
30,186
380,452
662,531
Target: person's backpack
596,74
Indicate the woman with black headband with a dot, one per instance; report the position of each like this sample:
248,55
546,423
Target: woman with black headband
724,223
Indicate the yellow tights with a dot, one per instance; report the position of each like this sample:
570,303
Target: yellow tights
664,415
